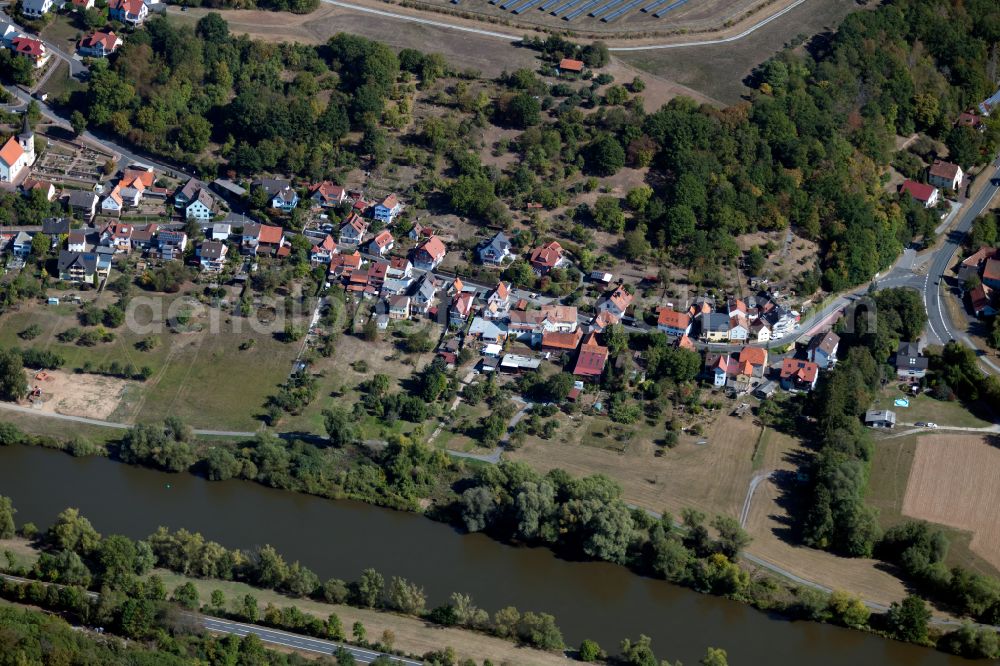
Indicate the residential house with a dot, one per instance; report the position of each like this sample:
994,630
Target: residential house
714,327
270,186
118,237
387,209
739,329
571,66
262,238
130,12
21,245
783,321
32,49
56,226
991,273
516,363
382,244
399,306
880,419
143,237
17,154
548,319
286,199
400,268
496,250
489,331
946,175
425,294
343,265
82,5
461,308
602,320
980,257
545,258
920,192
77,267
99,44
429,254
212,256
395,286
420,232
760,330
822,349
591,359
354,230
751,364
672,322
327,194
911,367
78,241
685,342
220,231
617,302
229,190
35,8
971,120
736,308
33,185
322,252
498,302
202,207
561,342
798,375
981,301
187,193
719,367
171,244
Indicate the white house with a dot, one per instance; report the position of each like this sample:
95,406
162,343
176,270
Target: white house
945,174
35,8
200,207
387,209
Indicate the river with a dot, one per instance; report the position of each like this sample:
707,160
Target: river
339,539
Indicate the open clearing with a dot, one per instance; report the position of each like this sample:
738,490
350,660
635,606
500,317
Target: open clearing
955,480
709,477
92,396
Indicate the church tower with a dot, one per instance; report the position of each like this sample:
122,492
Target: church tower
27,140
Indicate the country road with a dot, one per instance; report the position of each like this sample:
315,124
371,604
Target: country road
267,635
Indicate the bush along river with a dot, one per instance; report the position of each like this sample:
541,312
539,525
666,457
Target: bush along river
603,602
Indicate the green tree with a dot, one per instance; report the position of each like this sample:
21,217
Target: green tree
71,531
340,426
522,111
608,214
908,620
605,156
13,382
367,591
714,657
590,651
186,594
7,511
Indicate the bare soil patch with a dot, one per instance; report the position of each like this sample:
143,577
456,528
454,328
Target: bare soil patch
955,481
91,396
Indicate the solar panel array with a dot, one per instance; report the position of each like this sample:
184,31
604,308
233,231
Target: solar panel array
606,10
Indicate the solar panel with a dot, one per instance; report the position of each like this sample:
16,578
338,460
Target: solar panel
581,9
509,4
606,7
528,5
566,5
653,5
671,6
549,4
622,11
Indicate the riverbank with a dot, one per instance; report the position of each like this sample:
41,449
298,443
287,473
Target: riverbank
411,635
342,538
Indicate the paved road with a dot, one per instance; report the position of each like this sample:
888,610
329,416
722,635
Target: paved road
297,641
510,37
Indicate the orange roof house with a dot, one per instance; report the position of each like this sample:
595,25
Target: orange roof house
559,342
545,258
570,65
799,374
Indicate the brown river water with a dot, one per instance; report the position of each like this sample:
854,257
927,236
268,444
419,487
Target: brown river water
340,538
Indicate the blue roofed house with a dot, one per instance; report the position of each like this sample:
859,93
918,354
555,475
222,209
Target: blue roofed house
495,251
387,209
286,199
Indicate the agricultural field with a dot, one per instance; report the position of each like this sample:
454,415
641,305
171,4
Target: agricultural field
955,481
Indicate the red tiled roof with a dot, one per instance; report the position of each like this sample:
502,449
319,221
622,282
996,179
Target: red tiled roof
979,298
980,255
106,38
561,341
328,244
992,270
591,359
753,355
803,371
434,247
571,65
383,238
919,191
11,151
547,255
28,46
673,319
270,234
620,298
328,190
390,201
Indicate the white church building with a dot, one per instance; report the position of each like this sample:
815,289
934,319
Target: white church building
17,154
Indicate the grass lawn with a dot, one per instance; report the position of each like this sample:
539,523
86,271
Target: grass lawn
887,487
63,31
60,82
24,554
925,408
200,376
